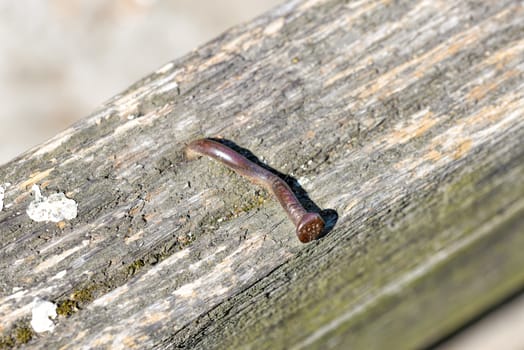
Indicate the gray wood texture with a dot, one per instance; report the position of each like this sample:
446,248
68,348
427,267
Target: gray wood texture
402,120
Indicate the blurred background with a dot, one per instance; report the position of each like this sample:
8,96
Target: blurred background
59,59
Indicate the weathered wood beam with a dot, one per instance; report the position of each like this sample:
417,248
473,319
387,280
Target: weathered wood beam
404,118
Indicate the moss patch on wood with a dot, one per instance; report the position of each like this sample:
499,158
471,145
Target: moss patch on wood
20,334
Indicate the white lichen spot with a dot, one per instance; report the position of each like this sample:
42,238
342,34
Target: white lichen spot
42,314
55,208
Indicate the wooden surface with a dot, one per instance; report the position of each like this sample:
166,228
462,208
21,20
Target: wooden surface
402,120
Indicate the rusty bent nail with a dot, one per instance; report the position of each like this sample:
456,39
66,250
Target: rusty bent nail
309,225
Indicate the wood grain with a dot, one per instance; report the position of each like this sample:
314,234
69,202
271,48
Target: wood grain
405,118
